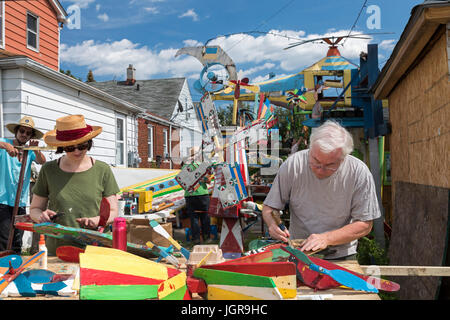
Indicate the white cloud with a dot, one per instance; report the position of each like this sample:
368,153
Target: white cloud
388,44
255,57
83,4
104,17
189,14
97,7
153,10
192,43
248,72
111,59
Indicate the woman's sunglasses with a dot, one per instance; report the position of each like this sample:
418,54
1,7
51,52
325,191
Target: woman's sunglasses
80,147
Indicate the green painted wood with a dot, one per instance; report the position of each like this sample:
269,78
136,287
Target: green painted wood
177,294
119,292
233,278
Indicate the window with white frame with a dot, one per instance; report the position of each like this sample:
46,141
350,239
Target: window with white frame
166,143
150,142
120,140
32,31
2,24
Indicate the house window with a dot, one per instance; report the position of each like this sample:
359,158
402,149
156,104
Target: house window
150,142
166,143
2,24
32,31
120,140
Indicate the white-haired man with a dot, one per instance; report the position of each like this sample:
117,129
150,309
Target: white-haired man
331,195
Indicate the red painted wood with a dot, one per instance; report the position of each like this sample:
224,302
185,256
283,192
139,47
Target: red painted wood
100,277
320,281
69,253
196,285
251,258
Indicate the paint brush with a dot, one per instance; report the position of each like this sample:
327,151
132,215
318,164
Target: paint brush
159,229
277,218
170,258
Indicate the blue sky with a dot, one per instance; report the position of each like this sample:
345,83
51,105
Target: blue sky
108,35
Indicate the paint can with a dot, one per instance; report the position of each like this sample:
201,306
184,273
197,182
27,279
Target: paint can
120,234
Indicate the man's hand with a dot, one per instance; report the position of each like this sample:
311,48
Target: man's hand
276,233
315,242
13,152
33,143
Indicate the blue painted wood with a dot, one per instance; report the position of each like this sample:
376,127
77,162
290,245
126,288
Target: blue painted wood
39,275
24,286
15,260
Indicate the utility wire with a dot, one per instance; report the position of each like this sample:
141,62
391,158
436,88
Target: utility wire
264,22
354,23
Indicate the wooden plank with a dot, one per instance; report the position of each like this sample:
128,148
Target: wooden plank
230,292
413,271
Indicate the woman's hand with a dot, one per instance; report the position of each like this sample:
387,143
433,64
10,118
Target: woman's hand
89,223
40,216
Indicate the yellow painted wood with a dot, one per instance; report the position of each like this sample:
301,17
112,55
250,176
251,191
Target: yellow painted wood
171,285
76,281
216,293
116,262
287,285
228,292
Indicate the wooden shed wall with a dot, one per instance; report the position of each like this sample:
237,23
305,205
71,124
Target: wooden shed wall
420,114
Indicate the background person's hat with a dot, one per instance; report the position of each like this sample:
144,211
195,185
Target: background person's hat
26,121
71,130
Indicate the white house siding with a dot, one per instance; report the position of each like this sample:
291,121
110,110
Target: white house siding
26,92
190,131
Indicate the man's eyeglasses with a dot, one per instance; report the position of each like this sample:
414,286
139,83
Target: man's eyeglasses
25,131
80,147
329,167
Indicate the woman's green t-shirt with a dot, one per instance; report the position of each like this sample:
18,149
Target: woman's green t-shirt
76,194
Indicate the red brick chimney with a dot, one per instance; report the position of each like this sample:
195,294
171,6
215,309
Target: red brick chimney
131,75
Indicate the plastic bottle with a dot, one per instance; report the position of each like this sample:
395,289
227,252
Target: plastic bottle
120,234
43,247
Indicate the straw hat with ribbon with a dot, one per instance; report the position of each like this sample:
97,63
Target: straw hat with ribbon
71,130
25,122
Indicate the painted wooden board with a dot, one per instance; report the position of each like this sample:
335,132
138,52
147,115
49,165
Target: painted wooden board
114,260
232,278
86,237
378,283
119,292
196,285
237,285
283,274
171,285
191,174
6,279
231,236
229,185
228,292
112,274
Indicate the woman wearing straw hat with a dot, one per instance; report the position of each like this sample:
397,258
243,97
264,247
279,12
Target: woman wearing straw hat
74,184
10,165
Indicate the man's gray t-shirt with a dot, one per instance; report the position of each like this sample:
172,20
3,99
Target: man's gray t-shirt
321,205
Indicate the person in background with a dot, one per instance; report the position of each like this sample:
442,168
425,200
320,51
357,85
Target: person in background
10,164
69,190
331,194
197,204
